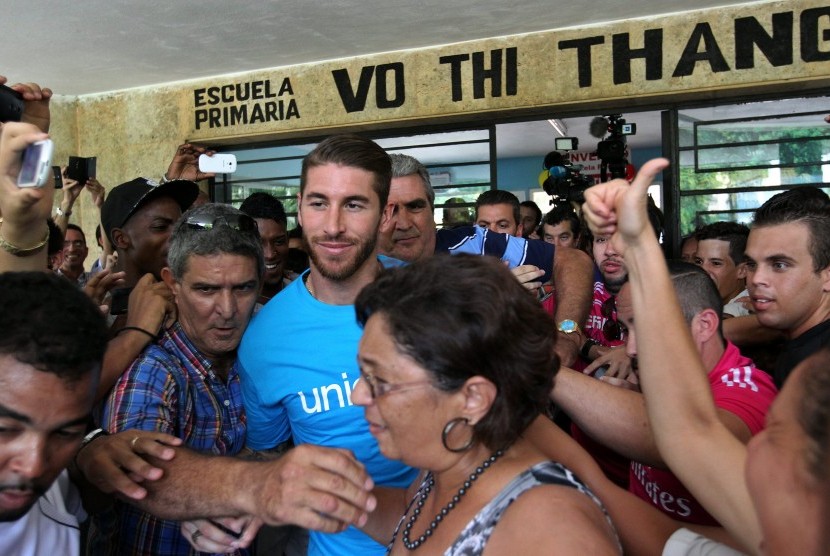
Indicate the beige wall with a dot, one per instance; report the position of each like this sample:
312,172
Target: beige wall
135,132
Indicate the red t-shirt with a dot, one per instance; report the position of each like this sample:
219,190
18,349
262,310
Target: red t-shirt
738,387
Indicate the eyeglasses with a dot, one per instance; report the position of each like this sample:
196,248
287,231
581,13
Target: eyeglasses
238,222
612,330
381,388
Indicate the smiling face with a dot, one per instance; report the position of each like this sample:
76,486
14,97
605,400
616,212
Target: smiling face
74,251
215,299
274,241
42,421
412,236
340,214
786,292
408,420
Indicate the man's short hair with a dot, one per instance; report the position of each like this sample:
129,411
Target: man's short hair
48,323
500,197
77,229
187,239
405,165
732,232
808,205
352,151
561,213
537,220
264,205
695,289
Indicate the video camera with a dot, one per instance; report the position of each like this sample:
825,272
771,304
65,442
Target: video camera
611,150
561,179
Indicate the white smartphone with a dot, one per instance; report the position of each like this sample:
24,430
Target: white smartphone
218,163
37,164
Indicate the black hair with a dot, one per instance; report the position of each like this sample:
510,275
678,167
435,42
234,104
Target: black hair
264,205
50,324
808,205
355,152
462,316
500,197
732,232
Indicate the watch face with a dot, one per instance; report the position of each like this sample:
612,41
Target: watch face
568,326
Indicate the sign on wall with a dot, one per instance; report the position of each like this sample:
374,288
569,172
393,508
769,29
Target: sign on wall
738,47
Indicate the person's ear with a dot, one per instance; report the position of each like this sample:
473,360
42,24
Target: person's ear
167,278
705,325
121,239
387,218
742,271
479,394
825,278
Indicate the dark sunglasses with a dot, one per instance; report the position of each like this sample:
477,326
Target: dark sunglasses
612,330
238,222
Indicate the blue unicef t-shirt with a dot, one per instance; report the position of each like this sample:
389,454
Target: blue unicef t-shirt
298,365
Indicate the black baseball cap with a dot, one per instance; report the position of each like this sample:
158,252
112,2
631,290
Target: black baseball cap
124,200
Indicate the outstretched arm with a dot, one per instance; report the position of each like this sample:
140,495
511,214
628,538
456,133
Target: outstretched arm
573,276
642,528
678,398
317,488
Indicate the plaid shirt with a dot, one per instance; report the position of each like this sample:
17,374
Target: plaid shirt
170,388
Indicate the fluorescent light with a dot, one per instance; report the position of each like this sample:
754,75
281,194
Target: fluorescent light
559,126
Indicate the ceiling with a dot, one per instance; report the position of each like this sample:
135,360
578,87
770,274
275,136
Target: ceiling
96,46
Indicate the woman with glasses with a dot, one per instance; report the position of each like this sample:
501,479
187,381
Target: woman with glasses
456,361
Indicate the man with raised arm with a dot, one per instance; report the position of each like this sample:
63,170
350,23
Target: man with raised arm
412,236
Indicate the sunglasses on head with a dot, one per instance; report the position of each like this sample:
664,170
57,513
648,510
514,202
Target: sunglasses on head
238,222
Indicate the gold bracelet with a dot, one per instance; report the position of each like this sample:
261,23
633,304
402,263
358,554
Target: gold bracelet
19,251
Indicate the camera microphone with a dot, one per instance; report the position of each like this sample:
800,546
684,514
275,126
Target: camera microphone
598,127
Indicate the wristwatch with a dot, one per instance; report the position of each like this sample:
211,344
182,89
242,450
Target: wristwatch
92,436
60,212
585,352
568,326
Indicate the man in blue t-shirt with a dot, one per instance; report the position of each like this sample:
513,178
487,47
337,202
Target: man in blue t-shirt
299,355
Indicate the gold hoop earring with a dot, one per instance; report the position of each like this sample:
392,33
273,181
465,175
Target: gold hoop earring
448,430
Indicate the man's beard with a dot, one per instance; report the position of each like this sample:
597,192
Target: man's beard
349,267
14,515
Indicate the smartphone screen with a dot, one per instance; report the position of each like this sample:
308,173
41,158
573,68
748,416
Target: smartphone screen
56,172
36,161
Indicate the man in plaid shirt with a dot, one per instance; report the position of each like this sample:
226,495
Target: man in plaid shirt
186,384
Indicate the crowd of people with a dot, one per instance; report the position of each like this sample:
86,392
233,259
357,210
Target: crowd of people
569,392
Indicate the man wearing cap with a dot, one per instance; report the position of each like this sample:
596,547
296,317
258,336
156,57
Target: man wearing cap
138,216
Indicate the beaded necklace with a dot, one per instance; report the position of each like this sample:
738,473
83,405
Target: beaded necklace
439,517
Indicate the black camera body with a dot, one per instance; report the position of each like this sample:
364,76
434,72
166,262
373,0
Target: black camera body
11,105
565,182
611,150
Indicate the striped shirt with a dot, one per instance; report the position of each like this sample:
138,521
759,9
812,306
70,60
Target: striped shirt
170,388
